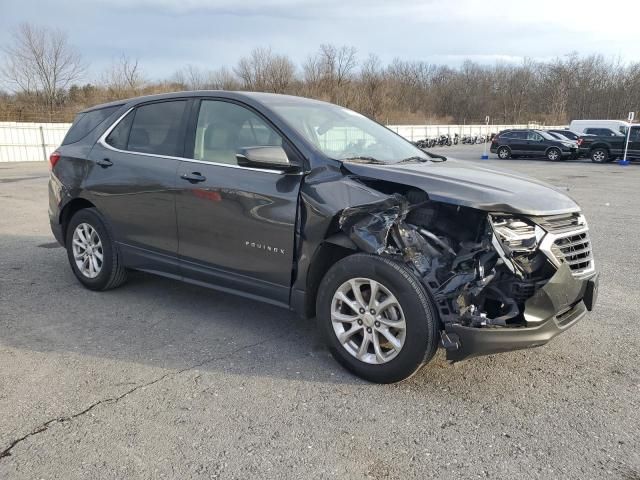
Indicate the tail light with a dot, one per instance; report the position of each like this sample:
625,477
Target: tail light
53,159
494,139
579,141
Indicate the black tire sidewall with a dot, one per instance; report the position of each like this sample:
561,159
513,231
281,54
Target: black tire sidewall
553,149
93,218
504,149
606,158
422,333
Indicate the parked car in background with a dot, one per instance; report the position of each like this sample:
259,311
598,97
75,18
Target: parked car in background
580,126
568,134
608,147
603,132
393,250
532,143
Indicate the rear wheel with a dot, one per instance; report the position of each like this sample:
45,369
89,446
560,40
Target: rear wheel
554,154
599,155
504,153
376,318
93,255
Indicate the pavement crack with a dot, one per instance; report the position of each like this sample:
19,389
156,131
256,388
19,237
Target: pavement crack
6,452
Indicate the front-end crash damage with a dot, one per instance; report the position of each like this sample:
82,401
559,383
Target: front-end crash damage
500,281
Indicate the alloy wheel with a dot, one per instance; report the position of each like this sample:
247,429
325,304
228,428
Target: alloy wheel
553,155
87,250
368,320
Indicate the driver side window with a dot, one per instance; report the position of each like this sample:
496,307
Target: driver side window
225,128
534,137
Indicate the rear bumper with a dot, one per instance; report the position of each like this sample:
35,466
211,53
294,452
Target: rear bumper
467,342
56,229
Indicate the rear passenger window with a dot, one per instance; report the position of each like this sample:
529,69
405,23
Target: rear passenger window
157,128
119,136
225,128
85,123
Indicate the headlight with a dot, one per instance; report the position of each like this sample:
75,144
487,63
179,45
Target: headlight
515,234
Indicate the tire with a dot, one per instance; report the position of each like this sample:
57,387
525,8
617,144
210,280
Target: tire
419,340
599,155
504,153
554,154
111,272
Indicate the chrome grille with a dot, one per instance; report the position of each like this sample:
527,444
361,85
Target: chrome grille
569,241
560,223
575,250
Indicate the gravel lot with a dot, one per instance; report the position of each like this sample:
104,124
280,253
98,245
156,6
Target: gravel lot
160,379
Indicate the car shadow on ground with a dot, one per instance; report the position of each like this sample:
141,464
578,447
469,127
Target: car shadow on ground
169,324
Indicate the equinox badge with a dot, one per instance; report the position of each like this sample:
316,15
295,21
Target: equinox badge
262,246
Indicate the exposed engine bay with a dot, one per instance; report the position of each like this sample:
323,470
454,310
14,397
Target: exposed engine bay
480,267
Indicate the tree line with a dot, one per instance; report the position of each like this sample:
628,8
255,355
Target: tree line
44,77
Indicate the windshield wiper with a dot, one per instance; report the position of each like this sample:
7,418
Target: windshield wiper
363,159
415,158
433,156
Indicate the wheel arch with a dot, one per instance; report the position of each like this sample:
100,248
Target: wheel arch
69,210
596,146
333,248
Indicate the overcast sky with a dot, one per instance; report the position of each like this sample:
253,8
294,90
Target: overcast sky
167,34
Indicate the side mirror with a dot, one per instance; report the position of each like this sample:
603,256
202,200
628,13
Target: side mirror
264,157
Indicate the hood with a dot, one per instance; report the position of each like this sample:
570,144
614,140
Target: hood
462,183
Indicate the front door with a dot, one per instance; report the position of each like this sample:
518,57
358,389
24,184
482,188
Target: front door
133,181
235,224
634,143
535,144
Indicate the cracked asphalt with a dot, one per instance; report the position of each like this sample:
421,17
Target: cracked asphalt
159,379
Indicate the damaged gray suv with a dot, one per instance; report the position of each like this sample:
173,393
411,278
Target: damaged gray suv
315,208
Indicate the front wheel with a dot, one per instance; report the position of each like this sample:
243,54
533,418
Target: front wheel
376,318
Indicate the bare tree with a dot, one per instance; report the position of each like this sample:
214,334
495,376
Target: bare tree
334,67
371,88
223,79
40,61
263,70
124,77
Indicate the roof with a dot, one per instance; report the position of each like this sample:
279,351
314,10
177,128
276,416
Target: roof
259,97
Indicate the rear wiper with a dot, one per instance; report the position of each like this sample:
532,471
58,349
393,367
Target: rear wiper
363,159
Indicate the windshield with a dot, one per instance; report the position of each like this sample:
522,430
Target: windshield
546,135
343,134
559,136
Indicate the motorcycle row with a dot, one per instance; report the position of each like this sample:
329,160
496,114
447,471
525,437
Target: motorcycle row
447,140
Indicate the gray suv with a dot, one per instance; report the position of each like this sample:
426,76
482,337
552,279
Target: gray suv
315,208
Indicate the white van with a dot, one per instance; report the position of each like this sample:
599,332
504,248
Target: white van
617,126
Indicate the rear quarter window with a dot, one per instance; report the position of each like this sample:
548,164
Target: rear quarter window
86,122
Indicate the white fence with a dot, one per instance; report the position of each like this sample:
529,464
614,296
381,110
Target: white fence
33,142
30,142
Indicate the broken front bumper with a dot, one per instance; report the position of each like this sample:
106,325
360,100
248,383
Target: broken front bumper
553,309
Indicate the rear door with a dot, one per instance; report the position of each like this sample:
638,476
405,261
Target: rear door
518,143
133,182
235,224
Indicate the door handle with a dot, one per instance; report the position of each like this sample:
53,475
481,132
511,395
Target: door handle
104,163
193,177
